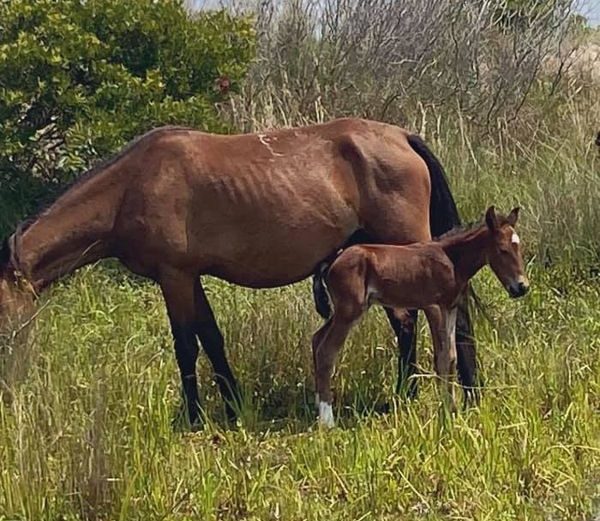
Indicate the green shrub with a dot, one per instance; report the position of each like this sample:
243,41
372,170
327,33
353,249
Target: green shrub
80,78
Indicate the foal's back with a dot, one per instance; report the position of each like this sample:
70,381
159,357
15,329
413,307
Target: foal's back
411,276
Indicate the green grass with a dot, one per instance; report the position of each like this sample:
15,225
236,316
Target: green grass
88,399
86,430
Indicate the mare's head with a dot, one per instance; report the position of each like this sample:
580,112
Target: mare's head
15,299
504,255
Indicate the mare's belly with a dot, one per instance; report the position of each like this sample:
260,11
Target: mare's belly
278,256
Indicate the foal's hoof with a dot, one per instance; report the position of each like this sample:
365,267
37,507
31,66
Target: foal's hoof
326,415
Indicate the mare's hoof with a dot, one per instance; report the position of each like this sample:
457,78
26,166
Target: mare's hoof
383,408
472,398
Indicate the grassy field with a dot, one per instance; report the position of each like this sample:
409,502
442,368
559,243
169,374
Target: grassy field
87,402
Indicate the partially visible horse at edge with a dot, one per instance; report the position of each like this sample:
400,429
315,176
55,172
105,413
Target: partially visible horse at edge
430,276
258,210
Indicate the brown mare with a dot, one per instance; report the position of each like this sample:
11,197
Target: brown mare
258,210
430,276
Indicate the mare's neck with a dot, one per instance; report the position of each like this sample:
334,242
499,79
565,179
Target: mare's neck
72,232
468,251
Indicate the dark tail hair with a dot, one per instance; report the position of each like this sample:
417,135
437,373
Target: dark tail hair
320,293
443,213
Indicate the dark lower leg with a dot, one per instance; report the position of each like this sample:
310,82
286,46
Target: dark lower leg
214,346
466,354
186,352
403,323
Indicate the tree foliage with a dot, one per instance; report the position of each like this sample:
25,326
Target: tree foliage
78,78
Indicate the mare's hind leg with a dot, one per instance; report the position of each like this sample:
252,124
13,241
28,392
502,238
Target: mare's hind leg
212,342
403,323
467,354
178,292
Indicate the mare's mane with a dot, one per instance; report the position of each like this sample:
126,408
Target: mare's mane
89,174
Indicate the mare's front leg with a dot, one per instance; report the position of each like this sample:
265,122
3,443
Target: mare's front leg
442,323
178,291
213,344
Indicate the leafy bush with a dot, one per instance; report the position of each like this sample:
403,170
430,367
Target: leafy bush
79,78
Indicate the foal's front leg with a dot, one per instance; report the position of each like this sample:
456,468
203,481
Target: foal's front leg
442,323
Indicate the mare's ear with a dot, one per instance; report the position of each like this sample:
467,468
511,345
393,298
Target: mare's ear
513,216
4,253
4,256
490,218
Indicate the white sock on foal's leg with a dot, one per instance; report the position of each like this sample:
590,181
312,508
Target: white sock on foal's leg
326,415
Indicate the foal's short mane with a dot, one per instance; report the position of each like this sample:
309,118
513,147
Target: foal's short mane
460,230
94,170
463,230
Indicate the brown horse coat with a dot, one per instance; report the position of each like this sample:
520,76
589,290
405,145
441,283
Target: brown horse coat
258,210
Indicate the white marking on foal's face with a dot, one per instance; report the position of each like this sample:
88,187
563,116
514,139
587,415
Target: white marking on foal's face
326,415
515,238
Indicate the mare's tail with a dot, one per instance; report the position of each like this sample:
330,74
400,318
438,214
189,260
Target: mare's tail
443,216
443,213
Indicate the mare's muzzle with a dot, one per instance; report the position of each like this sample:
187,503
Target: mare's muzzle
518,290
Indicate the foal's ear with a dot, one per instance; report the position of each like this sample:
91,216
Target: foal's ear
512,217
490,218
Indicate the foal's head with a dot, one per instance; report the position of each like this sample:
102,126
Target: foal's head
504,254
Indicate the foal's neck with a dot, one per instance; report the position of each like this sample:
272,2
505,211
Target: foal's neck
468,251
72,232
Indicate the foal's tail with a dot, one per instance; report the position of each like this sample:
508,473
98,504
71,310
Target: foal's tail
319,284
320,292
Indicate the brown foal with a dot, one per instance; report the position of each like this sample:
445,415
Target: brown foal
429,276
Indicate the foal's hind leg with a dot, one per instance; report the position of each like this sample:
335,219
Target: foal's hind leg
316,341
325,354
212,342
